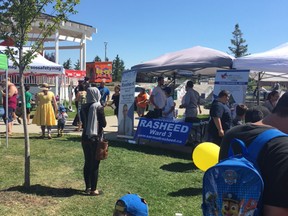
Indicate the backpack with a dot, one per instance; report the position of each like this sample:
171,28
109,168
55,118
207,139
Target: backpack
234,186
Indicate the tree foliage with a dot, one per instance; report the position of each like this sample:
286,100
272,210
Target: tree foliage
77,65
50,56
68,64
17,20
117,68
239,47
97,59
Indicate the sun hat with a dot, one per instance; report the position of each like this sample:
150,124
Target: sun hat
44,86
132,204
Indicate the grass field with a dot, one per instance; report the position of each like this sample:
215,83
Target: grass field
168,180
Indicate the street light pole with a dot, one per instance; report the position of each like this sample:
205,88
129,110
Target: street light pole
105,44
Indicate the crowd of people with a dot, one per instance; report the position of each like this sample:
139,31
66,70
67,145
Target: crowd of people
90,101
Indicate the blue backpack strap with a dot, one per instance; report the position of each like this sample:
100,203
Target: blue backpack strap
258,143
241,144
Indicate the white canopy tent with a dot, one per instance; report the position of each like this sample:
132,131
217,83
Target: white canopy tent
188,62
39,65
272,64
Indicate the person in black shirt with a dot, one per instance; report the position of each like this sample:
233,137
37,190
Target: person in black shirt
273,158
220,118
116,99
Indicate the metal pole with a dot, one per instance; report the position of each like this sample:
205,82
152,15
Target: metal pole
105,44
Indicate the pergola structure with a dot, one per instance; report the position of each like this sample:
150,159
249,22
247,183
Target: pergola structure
68,31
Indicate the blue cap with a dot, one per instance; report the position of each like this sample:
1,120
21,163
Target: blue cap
61,108
132,204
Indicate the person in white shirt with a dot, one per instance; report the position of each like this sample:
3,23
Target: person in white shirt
168,111
158,98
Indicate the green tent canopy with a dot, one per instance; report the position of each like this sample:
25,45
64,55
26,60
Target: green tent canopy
3,62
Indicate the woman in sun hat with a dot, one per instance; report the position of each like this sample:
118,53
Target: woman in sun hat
45,111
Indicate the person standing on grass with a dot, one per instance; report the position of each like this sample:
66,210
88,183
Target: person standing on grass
76,89
45,114
93,120
141,102
191,101
105,93
220,118
272,159
116,99
12,94
158,98
28,99
81,98
168,111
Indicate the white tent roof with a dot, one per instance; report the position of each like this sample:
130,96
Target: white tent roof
39,65
192,61
274,60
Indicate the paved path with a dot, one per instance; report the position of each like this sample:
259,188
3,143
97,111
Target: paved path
110,132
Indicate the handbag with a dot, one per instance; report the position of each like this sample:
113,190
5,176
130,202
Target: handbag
102,149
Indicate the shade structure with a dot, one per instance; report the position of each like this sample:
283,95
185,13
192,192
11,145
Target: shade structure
197,60
39,65
274,60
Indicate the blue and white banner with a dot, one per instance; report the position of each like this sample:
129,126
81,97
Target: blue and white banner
126,104
234,81
173,132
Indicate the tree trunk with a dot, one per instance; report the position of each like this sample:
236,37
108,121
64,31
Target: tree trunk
26,134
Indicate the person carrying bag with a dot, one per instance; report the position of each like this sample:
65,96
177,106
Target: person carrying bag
93,119
102,149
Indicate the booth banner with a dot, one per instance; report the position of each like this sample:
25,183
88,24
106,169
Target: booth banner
75,73
126,104
161,130
233,81
3,62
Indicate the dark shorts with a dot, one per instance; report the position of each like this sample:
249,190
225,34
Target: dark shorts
28,110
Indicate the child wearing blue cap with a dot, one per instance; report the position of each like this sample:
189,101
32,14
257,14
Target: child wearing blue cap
131,205
62,117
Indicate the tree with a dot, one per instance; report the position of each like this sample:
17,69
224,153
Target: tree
50,56
67,64
77,65
97,59
16,20
239,47
117,68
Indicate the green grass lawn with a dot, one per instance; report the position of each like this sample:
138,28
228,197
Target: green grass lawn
168,180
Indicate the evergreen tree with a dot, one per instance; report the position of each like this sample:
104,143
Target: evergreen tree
117,68
50,56
97,59
67,64
77,65
239,47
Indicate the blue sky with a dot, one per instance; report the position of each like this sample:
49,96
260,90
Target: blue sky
140,30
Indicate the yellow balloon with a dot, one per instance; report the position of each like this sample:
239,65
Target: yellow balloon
205,155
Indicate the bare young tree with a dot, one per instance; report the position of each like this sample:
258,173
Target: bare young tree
17,19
